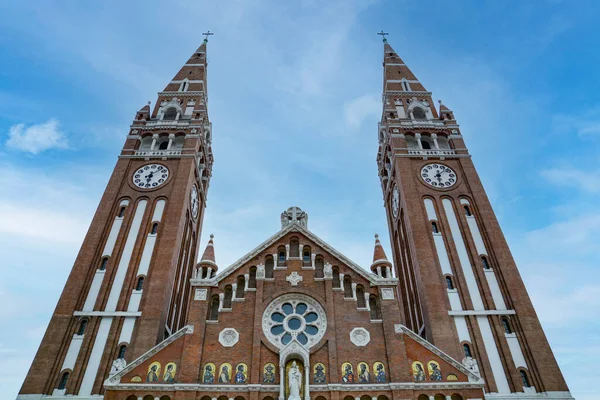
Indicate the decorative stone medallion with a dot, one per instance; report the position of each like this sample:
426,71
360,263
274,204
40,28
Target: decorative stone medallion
294,278
387,293
200,294
229,337
360,337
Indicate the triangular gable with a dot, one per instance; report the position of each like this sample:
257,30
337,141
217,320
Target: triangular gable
399,328
294,227
116,378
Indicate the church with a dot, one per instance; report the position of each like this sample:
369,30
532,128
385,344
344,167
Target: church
446,317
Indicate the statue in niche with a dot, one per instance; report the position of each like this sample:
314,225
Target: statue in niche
294,382
117,365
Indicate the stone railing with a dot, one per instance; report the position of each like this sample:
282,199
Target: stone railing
431,152
157,153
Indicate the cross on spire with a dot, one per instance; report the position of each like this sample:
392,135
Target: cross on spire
383,35
207,34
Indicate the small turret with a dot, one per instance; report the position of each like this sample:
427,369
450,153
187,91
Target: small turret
207,267
381,266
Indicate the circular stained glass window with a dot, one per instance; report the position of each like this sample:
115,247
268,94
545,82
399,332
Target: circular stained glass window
294,316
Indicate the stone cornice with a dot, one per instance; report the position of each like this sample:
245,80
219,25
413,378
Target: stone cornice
403,93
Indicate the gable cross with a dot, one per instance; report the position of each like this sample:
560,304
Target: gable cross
294,278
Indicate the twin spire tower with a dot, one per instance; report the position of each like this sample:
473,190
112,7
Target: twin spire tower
130,293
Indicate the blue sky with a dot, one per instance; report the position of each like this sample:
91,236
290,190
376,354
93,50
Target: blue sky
294,98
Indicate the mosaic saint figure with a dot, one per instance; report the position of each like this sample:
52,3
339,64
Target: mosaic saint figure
169,376
380,370
348,376
224,375
153,372
240,375
363,373
319,373
269,374
418,372
434,372
209,376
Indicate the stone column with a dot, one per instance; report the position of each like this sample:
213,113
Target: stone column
418,139
435,142
300,253
208,272
306,381
379,271
354,290
281,382
171,136
233,291
287,252
313,256
154,137
246,280
388,271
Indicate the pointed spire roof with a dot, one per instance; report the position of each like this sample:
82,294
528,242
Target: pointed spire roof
208,258
146,108
397,75
379,257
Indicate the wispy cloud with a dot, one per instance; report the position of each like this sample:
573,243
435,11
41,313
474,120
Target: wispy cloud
359,109
37,138
582,179
584,124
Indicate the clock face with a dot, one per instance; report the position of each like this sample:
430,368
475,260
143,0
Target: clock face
438,175
194,201
395,201
150,176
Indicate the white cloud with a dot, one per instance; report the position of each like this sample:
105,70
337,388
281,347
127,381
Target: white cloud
584,124
588,181
361,108
37,138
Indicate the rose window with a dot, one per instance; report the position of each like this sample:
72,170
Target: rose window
294,316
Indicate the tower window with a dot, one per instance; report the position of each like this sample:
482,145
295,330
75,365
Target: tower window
434,227
213,312
336,277
122,212
140,283
241,285
425,144
122,350
449,284
485,262
306,258
170,114
467,350
228,295
82,326
63,381
506,325
154,228
294,248
524,378
467,210
163,145
419,113
103,263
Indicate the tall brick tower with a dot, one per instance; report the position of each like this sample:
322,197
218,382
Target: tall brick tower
128,287
459,284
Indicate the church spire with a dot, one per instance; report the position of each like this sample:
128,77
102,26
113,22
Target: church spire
207,267
381,266
398,76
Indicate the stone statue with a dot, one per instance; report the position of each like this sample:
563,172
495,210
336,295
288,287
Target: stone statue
328,271
117,365
260,271
471,365
294,382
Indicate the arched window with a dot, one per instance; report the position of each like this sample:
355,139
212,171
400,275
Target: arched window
506,325
122,212
281,255
419,113
269,264
425,144
252,278
449,284
524,378
165,397
241,285
103,263
434,227
360,297
82,326
456,396
228,295
122,351
467,350
294,248
63,381
374,306
140,283
423,397
467,210
170,114
184,86
485,262
336,277
132,397
306,256
439,396
319,265
347,286
148,397
154,228
213,312
384,272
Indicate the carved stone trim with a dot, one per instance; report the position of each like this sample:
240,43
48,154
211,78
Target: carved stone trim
360,337
229,337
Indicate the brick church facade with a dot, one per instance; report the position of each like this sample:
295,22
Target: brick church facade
447,317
